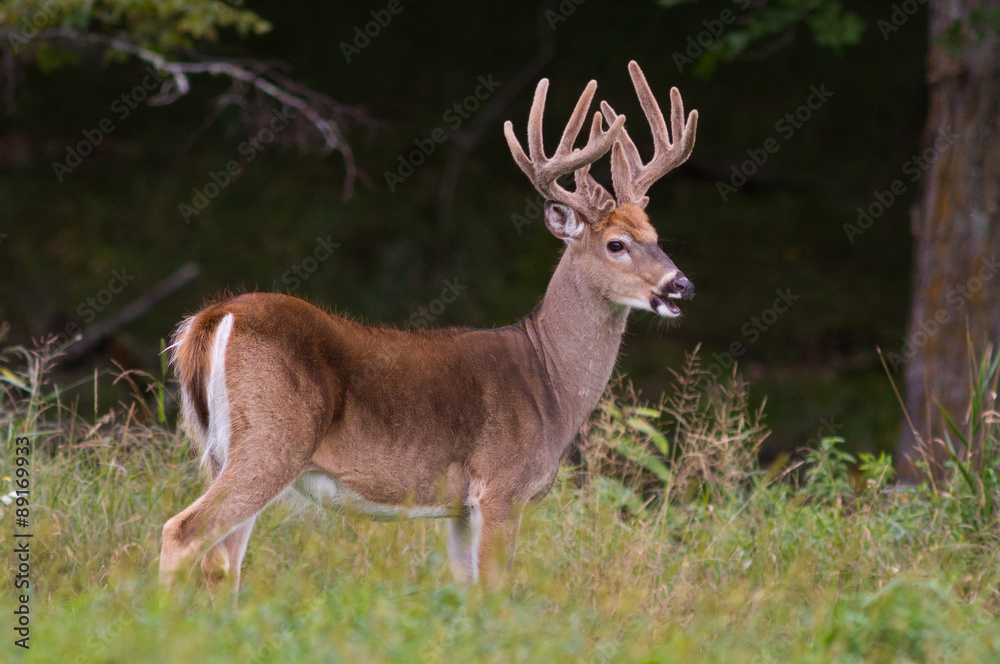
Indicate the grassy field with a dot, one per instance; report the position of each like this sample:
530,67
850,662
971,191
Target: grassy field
667,545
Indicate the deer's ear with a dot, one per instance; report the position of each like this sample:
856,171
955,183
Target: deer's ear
562,221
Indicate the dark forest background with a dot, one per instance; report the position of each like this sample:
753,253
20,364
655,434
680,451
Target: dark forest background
816,364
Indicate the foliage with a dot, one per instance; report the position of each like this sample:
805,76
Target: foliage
974,487
700,442
164,26
781,572
828,475
752,29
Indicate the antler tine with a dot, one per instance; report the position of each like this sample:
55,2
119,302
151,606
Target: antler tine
597,196
577,119
597,127
544,171
625,162
536,147
632,178
667,154
516,150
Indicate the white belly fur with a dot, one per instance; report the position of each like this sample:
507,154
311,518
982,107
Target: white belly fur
329,492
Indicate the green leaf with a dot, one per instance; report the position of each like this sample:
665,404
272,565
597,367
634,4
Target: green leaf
49,58
654,434
835,28
638,454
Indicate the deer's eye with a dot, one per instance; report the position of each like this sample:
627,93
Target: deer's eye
615,246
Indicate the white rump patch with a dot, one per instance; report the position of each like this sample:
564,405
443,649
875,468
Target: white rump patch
326,491
219,424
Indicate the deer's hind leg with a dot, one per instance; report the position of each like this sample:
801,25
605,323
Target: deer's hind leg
221,520
222,563
265,452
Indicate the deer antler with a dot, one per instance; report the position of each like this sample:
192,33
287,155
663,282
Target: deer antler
589,199
630,176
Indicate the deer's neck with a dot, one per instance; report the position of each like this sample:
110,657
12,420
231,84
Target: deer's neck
576,334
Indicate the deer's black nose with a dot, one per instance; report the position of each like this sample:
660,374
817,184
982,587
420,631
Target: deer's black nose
683,287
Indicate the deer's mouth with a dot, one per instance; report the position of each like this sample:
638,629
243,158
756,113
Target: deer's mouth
661,305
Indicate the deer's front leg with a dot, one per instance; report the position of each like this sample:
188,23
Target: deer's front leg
497,541
481,541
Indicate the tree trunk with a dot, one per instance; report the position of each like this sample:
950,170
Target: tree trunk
956,285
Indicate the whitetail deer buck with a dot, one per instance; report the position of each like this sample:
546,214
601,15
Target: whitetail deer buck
463,424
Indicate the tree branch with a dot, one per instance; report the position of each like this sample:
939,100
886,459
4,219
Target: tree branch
323,114
95,336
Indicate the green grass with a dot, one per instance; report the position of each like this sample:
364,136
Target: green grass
821,560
